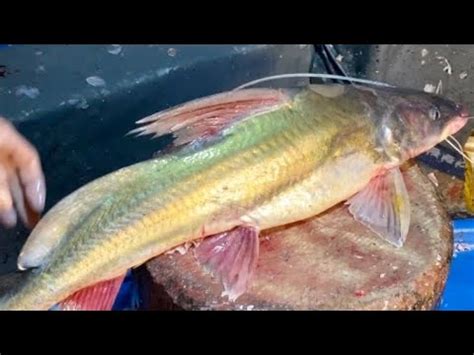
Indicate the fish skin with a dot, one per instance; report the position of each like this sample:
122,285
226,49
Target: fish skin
268,170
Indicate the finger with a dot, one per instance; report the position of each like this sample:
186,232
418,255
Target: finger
26,159
18,197
35,190
27,215
8,218
7,213
5,197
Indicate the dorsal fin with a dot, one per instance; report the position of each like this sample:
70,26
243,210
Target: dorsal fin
206,117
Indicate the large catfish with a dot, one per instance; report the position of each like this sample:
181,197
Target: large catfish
244,161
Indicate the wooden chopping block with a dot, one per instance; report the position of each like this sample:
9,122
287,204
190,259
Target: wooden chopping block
327,262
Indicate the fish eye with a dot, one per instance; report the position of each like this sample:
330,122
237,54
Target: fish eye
435,114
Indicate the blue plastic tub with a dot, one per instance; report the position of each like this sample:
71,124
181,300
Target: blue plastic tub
459,291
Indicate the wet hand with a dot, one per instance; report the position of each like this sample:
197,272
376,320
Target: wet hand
22,185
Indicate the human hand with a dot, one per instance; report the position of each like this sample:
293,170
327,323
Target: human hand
22,184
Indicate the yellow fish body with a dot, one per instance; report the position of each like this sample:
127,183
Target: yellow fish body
245,161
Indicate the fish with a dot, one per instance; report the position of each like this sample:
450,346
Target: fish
241,162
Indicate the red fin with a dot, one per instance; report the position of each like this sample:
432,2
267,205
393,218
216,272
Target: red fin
205,117
231,257
384,207
98,297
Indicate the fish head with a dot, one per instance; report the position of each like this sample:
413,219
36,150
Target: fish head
413,122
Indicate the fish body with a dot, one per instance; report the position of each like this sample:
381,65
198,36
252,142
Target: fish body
277,160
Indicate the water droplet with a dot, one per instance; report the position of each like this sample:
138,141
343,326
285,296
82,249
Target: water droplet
80,103
95,81
30,92
114,49
83,105
172,52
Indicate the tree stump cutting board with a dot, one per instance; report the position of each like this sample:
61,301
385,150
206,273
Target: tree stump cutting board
329,262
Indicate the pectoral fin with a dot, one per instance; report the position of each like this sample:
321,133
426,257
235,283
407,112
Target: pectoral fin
384,207
232,258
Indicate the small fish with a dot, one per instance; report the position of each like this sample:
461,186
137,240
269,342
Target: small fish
243,161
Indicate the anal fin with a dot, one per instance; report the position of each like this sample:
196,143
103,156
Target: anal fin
98,297
231,257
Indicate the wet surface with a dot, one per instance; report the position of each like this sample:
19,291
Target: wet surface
76,103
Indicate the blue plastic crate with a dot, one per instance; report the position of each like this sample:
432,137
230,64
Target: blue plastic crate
129,295
459,290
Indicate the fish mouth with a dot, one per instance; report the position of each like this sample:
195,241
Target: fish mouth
458,122
456,125
462,110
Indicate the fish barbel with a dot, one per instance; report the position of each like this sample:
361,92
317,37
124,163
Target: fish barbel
243,162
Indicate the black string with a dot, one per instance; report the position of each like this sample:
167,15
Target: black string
330,62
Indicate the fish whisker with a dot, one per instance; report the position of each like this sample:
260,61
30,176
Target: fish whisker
457,149
456,142
312,75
